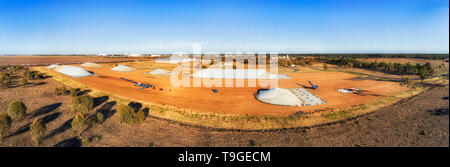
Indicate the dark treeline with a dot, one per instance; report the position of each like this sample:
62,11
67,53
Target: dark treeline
422,70
417,56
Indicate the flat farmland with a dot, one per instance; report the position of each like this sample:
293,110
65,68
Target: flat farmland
47,60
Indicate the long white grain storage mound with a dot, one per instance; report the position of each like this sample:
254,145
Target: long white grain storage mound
53,66
122,68
174,60
76,72
159,71
278,96
288,97
90,64
236,74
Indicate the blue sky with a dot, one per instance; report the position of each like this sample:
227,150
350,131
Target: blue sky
138,26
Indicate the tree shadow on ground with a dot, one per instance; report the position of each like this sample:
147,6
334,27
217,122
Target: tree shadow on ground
65,126
136,106
439,112
445,98
80,93
304,86
72,142
37,83
107,110
44,110
146,110
366,93
362,78
100,100
16,84
26,127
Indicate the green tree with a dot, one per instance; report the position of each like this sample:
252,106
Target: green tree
16,110
37,131
100,117
24,82
140,116
126,113
5,125
74,91
325,67
79,123
63,90
408,82
3,83
82,104
57,91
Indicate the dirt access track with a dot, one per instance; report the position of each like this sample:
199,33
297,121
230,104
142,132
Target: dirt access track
232,100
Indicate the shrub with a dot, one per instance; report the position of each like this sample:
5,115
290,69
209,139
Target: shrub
130,113
325,67
100,117
63,91
140,116
5,125
126,114
33,75
24,82
27,74
74,91
78,123
136,106
253,143
57,91
37,131
82,104
16,110
3,83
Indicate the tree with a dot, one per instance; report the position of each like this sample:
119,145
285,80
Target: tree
24,82
100,117
325,67
37,131
78,123
57,91
3,83
426,71
27,74
140,116
130,113
16,110
5,125
63,91
422,74
82,104
74,91
408,82
126,114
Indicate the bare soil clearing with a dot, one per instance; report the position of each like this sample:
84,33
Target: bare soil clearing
234,100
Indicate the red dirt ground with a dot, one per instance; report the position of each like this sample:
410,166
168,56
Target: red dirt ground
237,100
